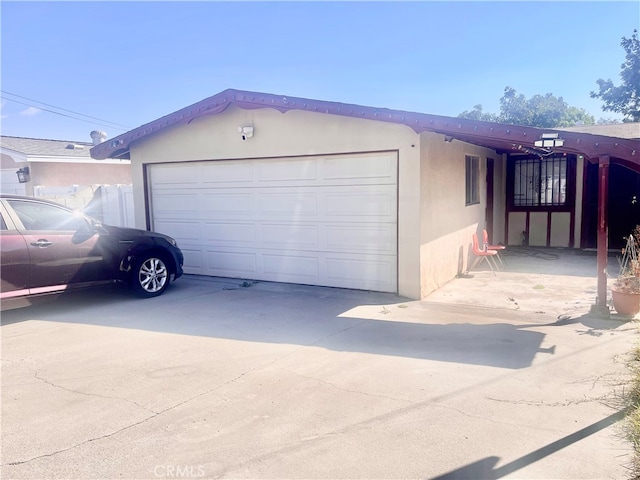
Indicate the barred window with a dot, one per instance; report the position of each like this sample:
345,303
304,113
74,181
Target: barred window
540,182
472,173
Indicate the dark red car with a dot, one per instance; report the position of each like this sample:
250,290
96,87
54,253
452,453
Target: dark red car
47,248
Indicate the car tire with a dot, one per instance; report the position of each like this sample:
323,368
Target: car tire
150,276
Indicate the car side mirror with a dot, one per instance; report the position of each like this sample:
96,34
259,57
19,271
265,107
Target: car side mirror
96,226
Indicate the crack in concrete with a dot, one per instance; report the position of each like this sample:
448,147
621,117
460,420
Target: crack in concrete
45,455
106,397
156,414
366,424
482,417
542,403
613,379
379,419
127,427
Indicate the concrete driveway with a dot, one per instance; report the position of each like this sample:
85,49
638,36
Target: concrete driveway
219,379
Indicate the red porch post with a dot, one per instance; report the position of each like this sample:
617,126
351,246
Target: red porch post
603,232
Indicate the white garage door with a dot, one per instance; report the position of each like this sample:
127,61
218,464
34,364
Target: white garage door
328,220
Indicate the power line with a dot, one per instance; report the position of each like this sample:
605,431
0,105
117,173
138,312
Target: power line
102,121
57,113
59,108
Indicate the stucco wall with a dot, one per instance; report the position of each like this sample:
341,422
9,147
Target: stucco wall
447,224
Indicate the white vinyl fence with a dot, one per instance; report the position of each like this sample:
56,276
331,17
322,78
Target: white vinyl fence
111,204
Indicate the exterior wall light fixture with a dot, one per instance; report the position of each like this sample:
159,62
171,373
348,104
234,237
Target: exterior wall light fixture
23,175
549,140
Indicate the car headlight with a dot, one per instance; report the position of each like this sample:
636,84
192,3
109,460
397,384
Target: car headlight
172,241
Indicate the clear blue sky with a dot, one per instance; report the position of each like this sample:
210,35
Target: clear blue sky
133,62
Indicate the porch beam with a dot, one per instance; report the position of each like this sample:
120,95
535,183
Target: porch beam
603,232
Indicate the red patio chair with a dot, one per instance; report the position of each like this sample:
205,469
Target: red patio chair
482,255
497,248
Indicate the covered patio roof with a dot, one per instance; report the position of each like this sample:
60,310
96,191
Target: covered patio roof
501,137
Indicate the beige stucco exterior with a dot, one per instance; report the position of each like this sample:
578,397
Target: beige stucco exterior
447,224
434,225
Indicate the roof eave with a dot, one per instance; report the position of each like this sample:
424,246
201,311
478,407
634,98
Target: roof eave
589,145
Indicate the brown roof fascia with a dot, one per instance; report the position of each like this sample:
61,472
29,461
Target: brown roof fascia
503,137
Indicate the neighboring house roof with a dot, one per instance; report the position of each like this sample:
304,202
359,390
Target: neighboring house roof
620,130
501,137
43,150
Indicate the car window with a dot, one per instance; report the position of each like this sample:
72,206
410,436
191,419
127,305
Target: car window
39,216
3,226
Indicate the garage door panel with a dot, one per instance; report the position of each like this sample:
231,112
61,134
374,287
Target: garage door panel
290,236
231,263
360,168
228,204
360,204
296,203
174,175
316,220
224,173
287,171
220,233
193,259
176,205
290,268
313,203
182,232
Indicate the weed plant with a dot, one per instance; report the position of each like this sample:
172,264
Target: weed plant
632,420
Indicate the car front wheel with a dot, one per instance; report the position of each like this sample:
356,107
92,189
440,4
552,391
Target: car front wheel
150,276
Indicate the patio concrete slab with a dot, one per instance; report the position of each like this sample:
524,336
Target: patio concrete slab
220,378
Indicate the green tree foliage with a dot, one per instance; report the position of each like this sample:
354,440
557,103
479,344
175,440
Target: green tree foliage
478,114
625,98
546,111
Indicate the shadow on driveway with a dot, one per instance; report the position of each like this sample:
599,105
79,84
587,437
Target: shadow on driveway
335,319
487,468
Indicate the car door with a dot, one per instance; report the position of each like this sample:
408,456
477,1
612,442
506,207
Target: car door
63,246
14,270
